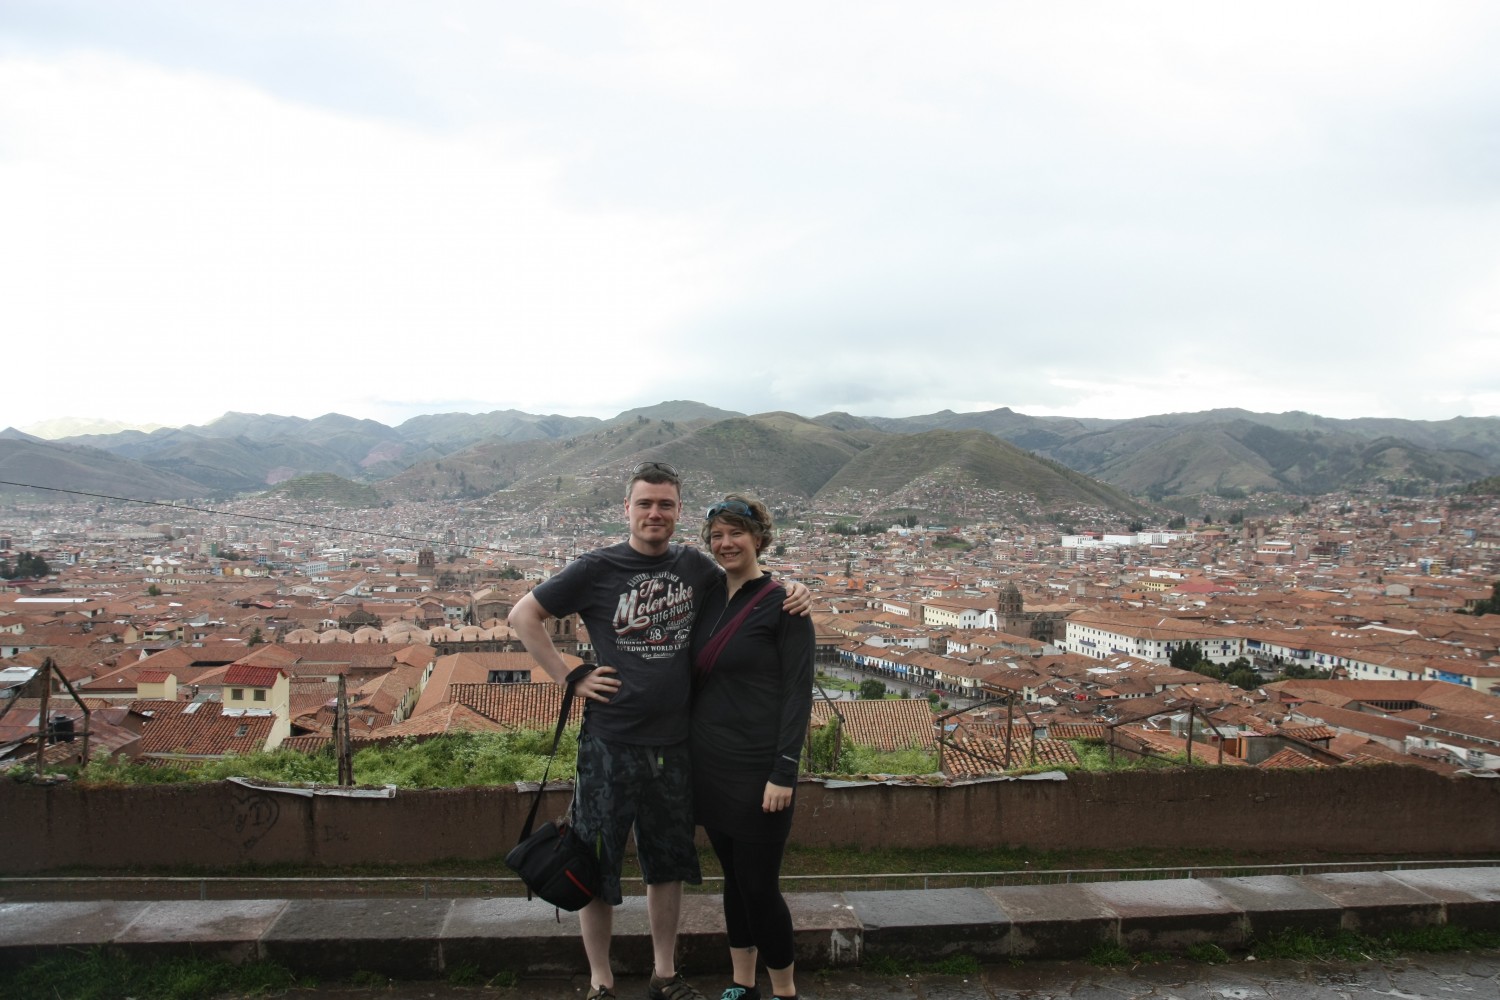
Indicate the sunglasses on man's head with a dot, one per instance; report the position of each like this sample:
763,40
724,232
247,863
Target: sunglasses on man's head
647,468
739,507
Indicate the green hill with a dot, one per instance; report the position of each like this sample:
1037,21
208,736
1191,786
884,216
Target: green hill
324,487
946,470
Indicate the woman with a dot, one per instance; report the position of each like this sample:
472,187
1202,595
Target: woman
752,695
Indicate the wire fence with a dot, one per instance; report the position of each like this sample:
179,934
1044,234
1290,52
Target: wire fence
157,887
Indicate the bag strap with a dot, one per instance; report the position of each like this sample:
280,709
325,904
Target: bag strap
709,654
574,676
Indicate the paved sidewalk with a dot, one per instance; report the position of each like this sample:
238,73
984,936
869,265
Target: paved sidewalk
1422,977
414,939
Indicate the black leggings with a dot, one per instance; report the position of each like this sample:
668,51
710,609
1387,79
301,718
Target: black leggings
755,914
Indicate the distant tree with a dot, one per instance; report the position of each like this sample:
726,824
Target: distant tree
872,690
1177,523
28,566
1209,669
1136,526
510,573
256,638
1186,656
1236,517
1243,678
780,549
1490,606
153,590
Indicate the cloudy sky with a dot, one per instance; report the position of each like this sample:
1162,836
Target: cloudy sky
1094,209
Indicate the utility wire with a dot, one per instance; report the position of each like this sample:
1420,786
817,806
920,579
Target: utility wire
249,517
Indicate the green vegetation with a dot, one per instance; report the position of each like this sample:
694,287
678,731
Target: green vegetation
1094,756
872,689
867,760
852,759
1490,606
28,566
456,760
453,760
1306,946
325,487
1349,946
98,975
1208,954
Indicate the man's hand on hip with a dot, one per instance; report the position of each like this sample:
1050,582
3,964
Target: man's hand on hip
600,684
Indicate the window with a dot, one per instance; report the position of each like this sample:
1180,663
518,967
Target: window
260,694
237,694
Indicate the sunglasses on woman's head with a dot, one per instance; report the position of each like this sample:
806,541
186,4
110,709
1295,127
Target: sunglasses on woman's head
739,507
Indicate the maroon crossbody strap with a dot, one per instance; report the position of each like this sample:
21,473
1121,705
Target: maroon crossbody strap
709,654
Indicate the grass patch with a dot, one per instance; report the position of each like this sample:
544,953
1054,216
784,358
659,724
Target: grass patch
96,975
466,974
1347,946
369,979
953,965
1110,955
453,760
1208,954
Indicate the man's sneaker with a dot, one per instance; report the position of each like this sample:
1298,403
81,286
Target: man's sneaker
675,988
738,992
600,993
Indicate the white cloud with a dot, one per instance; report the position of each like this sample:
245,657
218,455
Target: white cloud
1083,208
203,235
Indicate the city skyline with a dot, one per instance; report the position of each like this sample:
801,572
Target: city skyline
390,209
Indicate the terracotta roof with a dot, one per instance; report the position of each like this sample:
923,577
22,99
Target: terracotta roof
985,755
516,706
1080,731
200,728
241,674
1289,758
443,719
471,668
887,724
1310,733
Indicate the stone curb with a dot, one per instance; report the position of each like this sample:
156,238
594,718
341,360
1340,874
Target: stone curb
412,939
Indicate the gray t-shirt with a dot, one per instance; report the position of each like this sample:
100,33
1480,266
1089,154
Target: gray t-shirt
639,611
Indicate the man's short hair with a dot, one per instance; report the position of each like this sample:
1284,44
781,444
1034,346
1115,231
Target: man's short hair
655,473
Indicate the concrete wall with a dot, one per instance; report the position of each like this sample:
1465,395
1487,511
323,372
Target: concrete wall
1377,810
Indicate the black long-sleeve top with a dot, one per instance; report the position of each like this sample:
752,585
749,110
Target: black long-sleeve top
751,710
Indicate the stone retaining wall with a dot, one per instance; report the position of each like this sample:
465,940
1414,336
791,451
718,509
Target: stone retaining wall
1348,810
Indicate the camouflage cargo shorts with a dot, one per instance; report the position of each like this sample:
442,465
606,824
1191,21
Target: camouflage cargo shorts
620,787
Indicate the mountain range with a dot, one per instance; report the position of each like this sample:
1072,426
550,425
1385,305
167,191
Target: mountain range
937,461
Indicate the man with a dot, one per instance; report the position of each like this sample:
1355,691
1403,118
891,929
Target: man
638,600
